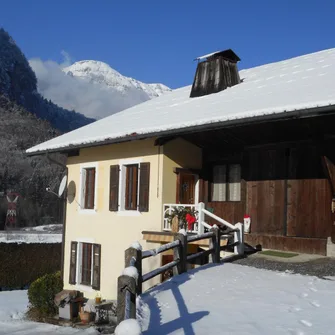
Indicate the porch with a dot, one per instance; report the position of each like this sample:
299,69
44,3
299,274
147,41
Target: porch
229,237
279,172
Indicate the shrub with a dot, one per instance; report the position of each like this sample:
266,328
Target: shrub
42,291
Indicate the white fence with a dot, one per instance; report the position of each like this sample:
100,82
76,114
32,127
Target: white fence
200,224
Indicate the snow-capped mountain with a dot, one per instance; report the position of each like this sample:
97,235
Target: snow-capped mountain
91,87
101,73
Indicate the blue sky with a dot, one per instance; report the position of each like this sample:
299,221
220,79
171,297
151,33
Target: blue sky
156,41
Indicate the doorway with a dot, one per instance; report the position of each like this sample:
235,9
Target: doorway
187,187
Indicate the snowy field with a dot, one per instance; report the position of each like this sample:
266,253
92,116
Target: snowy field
235,299
223,299
12,307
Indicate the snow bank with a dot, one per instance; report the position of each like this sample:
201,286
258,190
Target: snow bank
14,304
128,327
50,228
130,271
235,299
183,232
29,238
136,245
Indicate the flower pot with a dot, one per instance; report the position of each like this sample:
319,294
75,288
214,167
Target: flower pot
84,317
175,225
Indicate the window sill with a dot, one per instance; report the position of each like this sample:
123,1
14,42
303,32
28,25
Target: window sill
128,213
87,211
82,287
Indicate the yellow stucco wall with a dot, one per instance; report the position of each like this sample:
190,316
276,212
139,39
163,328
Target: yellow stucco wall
116,231
181,154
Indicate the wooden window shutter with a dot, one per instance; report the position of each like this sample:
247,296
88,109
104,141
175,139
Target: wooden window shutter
144,187
83,189
114,188
73,263
96,266
89,188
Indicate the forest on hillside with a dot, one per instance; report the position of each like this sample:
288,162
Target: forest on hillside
27,176
26,119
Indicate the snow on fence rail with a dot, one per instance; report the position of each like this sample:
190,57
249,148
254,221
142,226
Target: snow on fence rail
130,283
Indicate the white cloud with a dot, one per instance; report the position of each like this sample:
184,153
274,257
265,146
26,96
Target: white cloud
92,100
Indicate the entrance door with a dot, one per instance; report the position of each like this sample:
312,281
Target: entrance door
186,183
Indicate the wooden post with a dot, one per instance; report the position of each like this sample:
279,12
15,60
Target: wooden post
180,253
239,237
125,283
215,244
137,254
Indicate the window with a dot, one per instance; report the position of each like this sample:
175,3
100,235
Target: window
226,182
129,187
86,264
89,188
85,268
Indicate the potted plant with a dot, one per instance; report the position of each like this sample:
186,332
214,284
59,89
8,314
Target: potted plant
182,218
84,316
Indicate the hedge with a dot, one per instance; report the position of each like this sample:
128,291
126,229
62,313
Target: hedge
21,264
42,291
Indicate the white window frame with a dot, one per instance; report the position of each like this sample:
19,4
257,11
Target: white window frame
81,204
79,286
227,183
122,187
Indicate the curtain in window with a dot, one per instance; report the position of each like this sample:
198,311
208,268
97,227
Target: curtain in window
219,183
235,182
86,267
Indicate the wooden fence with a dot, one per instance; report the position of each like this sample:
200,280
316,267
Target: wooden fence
130,282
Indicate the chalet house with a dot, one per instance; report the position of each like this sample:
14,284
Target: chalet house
258,142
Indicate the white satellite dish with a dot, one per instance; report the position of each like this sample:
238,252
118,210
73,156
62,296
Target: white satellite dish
62,186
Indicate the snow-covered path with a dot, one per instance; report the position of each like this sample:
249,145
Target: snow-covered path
235,299
12,307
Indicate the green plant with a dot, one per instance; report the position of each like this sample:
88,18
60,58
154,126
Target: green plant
182,213
42,291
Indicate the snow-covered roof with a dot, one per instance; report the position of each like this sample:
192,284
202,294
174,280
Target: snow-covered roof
207,55
301,83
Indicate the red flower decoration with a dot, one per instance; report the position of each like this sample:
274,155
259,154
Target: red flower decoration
190,220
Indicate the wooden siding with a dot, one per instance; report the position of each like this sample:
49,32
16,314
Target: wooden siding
214,75
308,208
265,205
285,191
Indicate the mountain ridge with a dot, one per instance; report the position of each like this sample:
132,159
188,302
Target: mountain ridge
99,72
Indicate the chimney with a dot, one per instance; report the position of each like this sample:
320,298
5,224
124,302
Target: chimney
215,72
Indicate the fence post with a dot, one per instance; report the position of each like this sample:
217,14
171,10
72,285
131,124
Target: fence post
137,254
124,284
180,253
214,243
201,218
239,237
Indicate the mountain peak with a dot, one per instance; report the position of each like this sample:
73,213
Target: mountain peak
100,73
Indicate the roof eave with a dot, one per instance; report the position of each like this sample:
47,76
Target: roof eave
301,113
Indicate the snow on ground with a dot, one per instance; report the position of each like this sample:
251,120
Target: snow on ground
12,307
50,228
235,299
25,237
